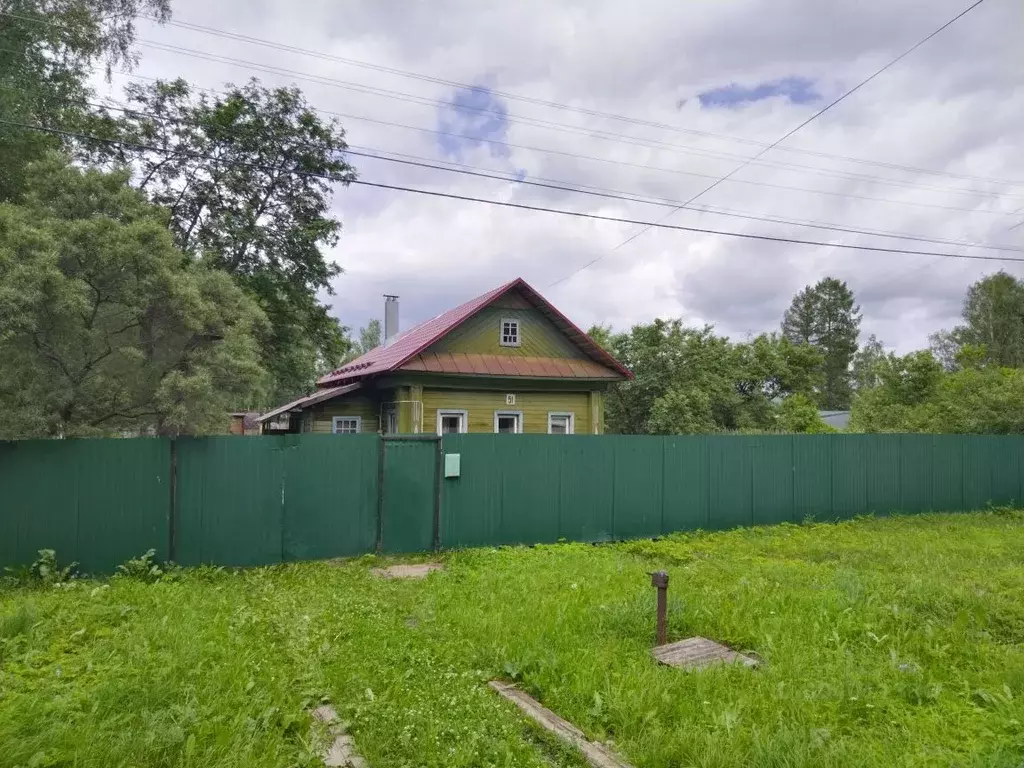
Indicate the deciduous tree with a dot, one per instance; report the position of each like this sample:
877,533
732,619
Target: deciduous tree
247,177
798,413
993,314
370,337
47,52
105,326
692,380
866,364
905,385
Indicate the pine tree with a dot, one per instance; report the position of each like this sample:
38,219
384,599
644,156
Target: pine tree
798,324
826,317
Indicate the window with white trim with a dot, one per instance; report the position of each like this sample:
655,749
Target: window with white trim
561,423
509,332
346,425
508,422
451,422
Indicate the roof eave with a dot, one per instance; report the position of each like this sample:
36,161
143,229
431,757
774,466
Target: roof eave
310,400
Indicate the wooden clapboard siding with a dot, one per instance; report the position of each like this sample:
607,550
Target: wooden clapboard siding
512,300
362,405
481,334
535,407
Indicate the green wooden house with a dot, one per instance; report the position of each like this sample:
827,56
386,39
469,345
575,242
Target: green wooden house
507,361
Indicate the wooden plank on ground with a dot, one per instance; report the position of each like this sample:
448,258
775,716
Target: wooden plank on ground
698,652
598,755
342,753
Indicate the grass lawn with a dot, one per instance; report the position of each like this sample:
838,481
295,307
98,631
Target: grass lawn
888,642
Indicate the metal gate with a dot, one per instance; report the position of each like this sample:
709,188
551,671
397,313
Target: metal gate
410,493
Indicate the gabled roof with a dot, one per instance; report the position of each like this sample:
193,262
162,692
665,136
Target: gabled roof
408,345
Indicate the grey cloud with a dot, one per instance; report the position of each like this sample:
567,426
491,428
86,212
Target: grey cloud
953,105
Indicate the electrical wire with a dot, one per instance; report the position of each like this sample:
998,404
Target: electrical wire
778,141
642,166
507,204
565,186
549,125
560,127
574,130
413,160
227,34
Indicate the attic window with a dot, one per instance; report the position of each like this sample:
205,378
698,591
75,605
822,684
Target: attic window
509,332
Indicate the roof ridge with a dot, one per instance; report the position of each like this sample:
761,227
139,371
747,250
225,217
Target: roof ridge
406,346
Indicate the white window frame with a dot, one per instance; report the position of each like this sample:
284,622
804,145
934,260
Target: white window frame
519,420
463,419
357,419
568,414
519,332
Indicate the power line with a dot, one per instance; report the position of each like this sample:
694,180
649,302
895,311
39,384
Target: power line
554,104
506,204
549,125
624,163
561,127
413,160
556,184
1019,222
806,122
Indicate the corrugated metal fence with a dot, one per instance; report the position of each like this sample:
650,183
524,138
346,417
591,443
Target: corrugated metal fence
249,501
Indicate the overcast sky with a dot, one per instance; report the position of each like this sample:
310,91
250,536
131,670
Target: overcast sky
701,83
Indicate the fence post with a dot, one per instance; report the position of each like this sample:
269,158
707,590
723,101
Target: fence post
172,516
438,483
380,494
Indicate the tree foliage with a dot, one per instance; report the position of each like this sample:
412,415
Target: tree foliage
247,177
47,51
826,317
945,347
993,325
370,337
798,413
916,394
690,380
105,326
866,362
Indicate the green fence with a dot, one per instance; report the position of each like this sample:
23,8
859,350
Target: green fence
532,488
95,501
252,501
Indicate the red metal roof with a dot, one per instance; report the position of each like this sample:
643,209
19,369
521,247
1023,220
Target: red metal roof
498,365
408,345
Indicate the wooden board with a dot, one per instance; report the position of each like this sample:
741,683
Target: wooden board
413,571
598,755
342,752
699,652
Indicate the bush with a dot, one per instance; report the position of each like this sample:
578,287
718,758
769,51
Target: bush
798,414
44,571
143,568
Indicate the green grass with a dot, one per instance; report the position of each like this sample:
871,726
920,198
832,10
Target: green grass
885,642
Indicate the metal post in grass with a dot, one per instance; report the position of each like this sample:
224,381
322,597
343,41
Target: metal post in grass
659,579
